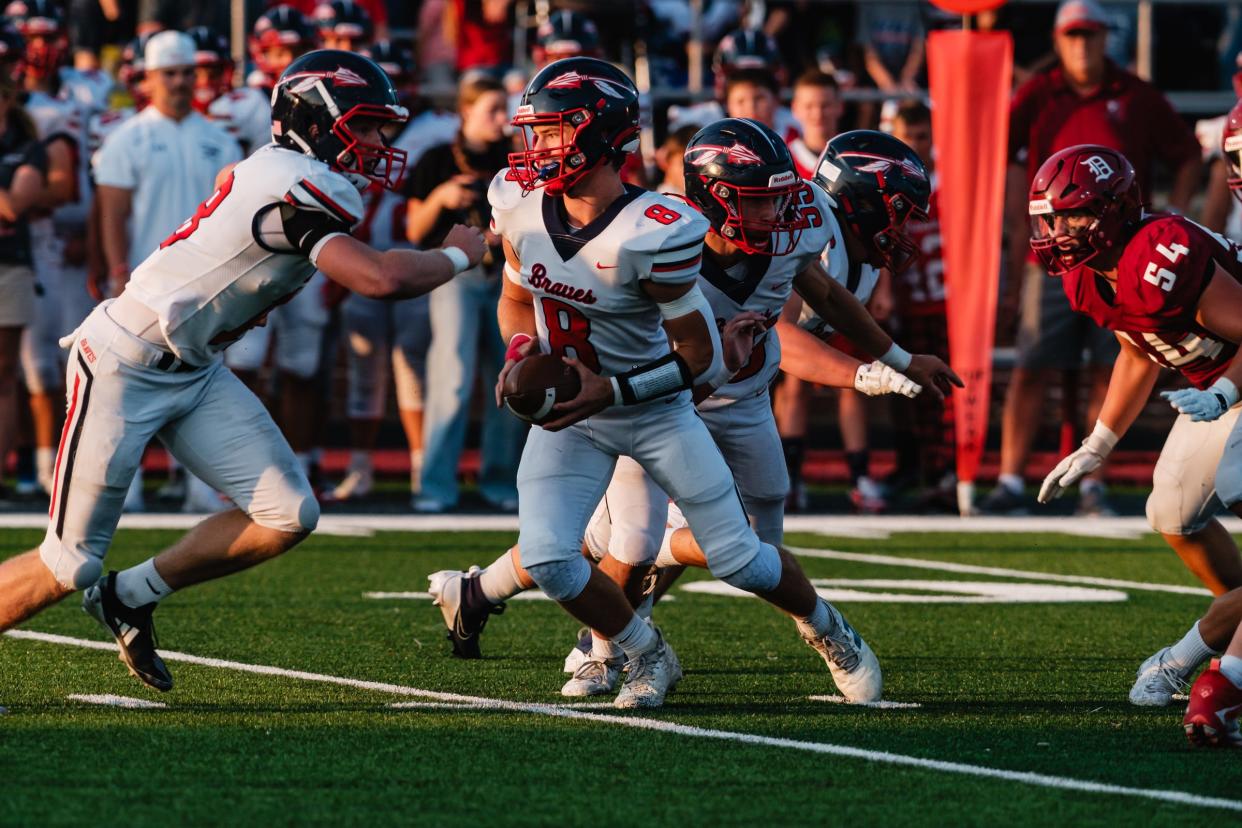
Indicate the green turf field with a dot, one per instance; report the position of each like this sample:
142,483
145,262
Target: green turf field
1025,688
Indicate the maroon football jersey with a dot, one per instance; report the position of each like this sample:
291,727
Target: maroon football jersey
920,289
1163,271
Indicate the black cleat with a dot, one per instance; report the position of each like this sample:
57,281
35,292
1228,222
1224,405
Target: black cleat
464,606
133,629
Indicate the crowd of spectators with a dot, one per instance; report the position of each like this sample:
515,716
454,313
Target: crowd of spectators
150,90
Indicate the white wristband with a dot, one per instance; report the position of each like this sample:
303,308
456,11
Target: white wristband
1227,390
897,358
616,391
458,257
1101,440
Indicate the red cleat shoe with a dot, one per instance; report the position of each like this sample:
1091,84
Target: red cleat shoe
1212,715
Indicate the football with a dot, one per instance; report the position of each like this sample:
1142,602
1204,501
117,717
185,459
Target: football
536,384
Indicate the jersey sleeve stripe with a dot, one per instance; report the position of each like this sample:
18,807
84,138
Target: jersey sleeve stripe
682,265
681,248
320,196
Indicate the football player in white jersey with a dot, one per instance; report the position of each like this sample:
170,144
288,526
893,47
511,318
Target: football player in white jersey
147,363
57,228
605,277
768,228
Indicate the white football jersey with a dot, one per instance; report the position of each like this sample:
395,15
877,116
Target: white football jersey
858,277
57,117
103,124
589,302
762,284
246,114
90,88
222,271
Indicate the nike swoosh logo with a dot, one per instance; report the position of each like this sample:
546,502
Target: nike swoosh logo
605,267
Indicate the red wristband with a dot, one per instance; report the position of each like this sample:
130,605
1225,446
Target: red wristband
514,352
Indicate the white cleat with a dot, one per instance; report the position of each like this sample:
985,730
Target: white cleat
853,665
580,653
594,677
1156,682
651,677
358,483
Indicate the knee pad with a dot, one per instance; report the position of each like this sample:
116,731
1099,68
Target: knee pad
290,507
634,546
762,574
72,568
1169,513
561,580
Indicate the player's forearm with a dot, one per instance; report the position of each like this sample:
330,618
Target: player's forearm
405,274
806,357
515,317
1134,375
696,342
841,309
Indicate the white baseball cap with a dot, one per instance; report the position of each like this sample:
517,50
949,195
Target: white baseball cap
168,49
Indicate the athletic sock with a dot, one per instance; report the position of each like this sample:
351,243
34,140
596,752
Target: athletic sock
499,581
1190,652
604,649
1231,668
665,556
360,460
1013,483
141,585
858,462
45,466
638,638
819,623
644,609
794,449
416,471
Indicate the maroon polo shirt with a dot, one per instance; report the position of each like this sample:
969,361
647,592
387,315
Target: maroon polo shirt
1126,113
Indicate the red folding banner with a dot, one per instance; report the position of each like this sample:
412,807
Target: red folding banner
970,76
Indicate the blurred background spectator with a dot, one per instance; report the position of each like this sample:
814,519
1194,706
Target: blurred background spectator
446,187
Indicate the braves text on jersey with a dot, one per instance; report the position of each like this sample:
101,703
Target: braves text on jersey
247,249
587,284
1161,275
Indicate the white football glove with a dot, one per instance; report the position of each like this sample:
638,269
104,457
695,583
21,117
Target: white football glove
1086,459
1206,405
876,378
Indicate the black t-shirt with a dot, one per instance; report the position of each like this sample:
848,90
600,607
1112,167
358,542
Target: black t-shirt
439,164
16,150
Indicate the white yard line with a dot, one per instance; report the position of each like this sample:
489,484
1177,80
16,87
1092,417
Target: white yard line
971,569
833,525
663,726
110,700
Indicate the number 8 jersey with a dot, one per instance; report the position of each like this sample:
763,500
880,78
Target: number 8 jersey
247,249
589,302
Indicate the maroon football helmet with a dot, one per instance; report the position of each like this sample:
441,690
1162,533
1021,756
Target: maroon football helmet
1084,200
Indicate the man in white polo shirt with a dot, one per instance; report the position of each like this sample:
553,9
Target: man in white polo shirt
155,169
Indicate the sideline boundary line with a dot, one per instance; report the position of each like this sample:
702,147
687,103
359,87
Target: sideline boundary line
664,726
